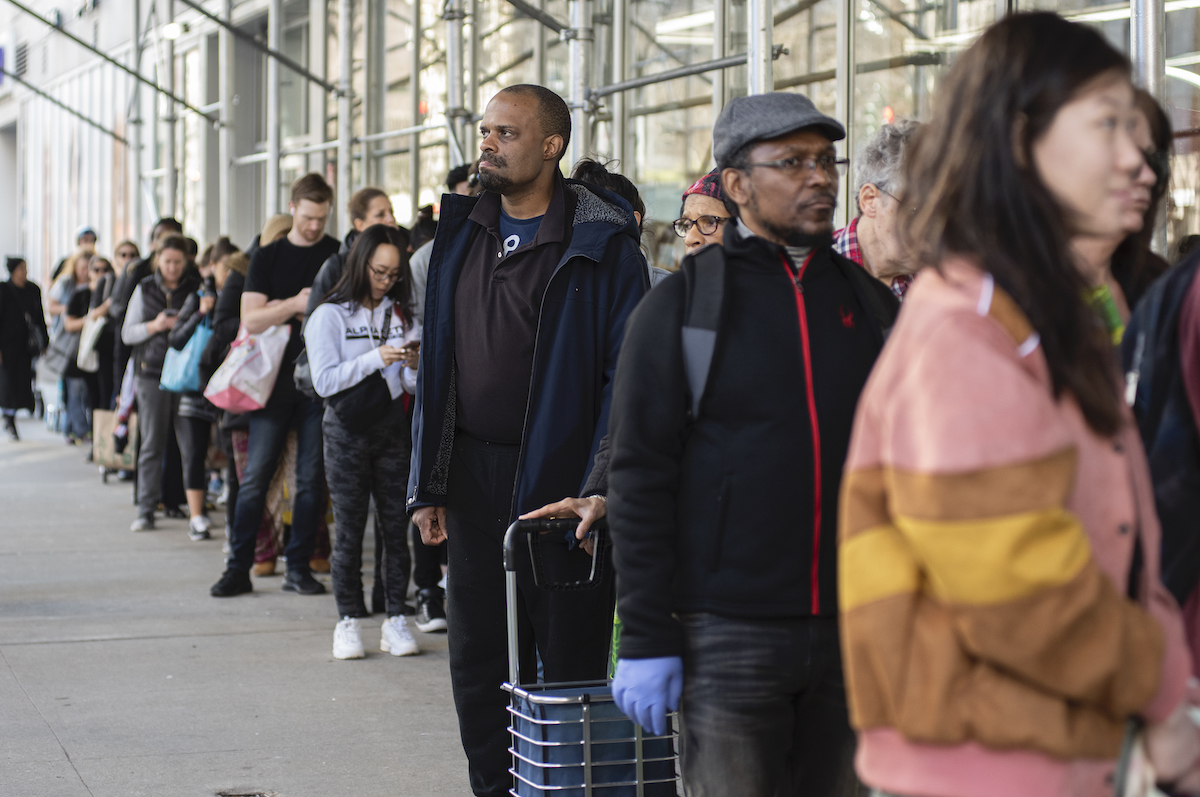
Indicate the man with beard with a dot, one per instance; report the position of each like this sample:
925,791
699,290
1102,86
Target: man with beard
529,287
724,513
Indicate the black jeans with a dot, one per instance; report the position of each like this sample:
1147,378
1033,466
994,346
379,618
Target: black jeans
359,465
268,435
572,629
764,709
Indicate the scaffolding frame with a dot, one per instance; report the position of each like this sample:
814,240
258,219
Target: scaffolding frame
591,34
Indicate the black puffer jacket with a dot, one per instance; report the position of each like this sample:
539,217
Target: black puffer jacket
735,513
149,355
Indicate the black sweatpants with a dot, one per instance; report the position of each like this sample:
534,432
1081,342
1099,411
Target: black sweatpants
572,629
359,465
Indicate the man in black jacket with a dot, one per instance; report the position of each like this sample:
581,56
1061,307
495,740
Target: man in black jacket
725,524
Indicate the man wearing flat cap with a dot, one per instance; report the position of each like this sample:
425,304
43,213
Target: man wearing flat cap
724,514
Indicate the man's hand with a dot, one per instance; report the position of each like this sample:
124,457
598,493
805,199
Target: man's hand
588,510
431,520
161,323
300,301
646,689
206,304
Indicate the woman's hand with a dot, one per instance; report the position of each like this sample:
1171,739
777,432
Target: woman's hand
588,510
207,303
390,355
412,354
161,323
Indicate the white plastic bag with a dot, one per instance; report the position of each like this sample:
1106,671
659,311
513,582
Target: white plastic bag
245,380
88,359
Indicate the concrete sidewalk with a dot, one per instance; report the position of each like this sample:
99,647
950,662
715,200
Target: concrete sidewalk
120,676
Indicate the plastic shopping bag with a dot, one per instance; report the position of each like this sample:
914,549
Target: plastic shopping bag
88,358
245,380
181,368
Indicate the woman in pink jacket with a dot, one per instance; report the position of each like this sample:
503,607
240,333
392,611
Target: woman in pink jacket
1003,620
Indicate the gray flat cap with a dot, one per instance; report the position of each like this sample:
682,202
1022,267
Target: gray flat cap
765,116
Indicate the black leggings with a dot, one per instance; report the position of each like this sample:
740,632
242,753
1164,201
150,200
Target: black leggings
194,450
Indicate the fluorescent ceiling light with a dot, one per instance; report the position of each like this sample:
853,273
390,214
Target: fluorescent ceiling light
698,20
1184,60
172,31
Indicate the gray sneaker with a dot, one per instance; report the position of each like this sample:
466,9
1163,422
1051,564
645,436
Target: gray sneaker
142,523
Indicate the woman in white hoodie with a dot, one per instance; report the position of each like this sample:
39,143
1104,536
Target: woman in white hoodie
362,350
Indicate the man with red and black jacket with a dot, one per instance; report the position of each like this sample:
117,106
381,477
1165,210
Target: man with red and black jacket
725,524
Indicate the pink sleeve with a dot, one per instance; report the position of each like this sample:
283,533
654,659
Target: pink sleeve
1177,660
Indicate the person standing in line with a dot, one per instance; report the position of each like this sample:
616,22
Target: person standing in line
367,207
106,342
85,243
87,304
1003,616
872,239
529,288
276,292
364,328
705,213
152,313
131,276
79,387
724,520
196,412
21,322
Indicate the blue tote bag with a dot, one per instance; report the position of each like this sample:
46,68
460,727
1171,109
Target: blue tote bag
181,368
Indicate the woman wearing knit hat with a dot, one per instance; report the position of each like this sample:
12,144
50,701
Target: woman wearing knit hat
704,213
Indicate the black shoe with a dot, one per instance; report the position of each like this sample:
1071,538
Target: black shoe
431,611
175,513
303,582
233,582
10,423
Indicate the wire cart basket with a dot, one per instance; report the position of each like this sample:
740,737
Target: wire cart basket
569,739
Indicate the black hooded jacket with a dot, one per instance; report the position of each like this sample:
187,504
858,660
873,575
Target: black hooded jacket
735,512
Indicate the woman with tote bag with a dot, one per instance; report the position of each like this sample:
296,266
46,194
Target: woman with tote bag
362,350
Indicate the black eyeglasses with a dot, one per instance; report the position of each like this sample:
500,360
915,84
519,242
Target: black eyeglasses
794,167
708,225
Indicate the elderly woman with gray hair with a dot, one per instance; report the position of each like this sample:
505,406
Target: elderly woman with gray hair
873,239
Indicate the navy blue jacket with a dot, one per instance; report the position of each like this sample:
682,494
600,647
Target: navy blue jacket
597,283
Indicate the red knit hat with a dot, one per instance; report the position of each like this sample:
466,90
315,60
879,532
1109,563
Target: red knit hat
708,185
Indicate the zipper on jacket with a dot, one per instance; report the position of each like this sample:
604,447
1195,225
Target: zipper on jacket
537,339
811,397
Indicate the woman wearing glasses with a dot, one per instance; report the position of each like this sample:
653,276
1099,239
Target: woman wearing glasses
704,213
362,351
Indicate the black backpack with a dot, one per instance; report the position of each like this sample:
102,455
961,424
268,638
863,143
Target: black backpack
1154,388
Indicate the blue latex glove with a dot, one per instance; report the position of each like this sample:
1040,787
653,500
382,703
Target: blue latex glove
646,689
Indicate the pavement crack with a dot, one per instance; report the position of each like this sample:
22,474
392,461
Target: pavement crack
49,727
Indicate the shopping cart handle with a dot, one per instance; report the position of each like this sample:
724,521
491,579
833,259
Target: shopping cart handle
562,526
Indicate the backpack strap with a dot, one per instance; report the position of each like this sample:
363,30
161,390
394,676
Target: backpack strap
704,277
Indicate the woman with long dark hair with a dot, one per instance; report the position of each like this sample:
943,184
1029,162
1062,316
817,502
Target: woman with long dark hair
1002,614
23,338
362,351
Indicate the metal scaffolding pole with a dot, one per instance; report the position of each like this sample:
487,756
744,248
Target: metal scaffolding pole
454,72
472,105
620,55
720,20
225,147
1148,48
134,123
170,174
345,123
274,142
579,59
318,60
375,46
846,19
760,29
414,86
539,47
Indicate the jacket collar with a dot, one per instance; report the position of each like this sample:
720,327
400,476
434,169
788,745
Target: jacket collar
596,216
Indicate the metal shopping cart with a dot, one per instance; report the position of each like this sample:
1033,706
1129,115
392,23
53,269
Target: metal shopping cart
569,739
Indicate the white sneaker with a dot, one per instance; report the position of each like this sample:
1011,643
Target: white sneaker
397,639
347,640
198,528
